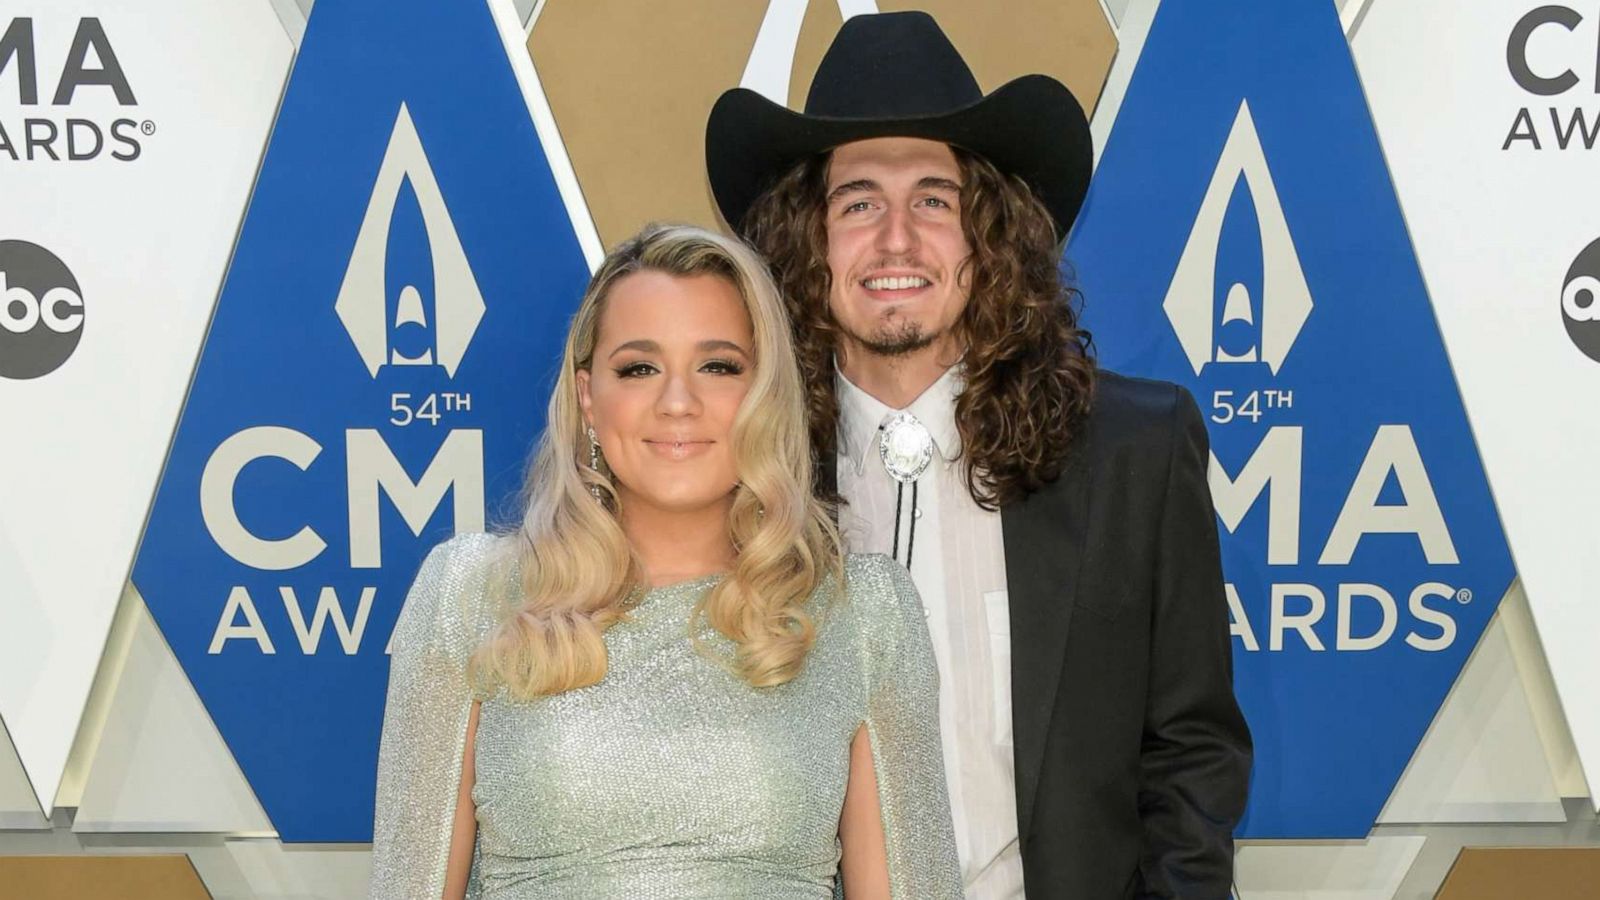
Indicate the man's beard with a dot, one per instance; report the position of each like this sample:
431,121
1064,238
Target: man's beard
895,339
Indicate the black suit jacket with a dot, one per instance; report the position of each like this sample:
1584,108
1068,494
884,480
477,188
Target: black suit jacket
1132,758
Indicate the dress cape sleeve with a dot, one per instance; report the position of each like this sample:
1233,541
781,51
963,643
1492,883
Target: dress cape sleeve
902,719
425,723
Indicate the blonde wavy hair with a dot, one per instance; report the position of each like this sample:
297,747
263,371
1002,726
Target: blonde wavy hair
578,570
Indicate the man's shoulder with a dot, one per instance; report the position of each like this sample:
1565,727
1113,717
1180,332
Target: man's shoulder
1140,411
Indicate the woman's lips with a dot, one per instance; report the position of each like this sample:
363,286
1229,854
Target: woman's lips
671,449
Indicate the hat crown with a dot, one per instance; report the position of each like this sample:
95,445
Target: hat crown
891,65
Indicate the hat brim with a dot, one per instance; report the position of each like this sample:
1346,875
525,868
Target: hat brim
1031,127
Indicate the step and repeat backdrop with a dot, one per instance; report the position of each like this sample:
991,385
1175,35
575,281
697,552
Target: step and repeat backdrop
281,295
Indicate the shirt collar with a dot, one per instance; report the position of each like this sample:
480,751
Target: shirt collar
860,414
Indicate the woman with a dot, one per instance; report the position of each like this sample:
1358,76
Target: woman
661,688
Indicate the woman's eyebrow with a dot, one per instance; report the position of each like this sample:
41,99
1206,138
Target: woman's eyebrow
642,346
648,346
721,345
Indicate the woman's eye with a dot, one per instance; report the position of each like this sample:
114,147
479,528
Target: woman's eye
723,367
635,370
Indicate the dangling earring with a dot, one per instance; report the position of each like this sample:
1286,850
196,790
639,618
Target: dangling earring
594,463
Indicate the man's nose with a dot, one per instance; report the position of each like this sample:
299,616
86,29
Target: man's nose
897,232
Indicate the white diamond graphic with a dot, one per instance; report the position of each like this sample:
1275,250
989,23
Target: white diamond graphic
1286,300
458,304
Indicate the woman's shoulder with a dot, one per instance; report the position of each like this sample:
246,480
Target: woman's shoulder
453,600
880,590
883,618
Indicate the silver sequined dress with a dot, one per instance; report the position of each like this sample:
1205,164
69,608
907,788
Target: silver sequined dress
671,778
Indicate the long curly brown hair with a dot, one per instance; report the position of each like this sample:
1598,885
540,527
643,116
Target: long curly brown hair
1029,367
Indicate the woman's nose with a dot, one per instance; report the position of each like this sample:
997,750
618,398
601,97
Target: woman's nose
678,396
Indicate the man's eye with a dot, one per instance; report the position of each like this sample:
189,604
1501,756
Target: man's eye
936,201
857,206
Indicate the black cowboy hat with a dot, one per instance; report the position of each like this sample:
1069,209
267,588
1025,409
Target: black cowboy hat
897,75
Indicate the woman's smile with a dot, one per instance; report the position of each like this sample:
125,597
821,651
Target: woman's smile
678,448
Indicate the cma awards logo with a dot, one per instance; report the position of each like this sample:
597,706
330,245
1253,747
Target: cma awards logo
1221,321
1243,210
422,281
40,129
1540,54
406,243
41,311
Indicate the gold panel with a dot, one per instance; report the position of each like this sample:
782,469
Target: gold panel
630,83
1524,873
165,877
1069,40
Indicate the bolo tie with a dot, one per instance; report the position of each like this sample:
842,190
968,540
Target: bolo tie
906,448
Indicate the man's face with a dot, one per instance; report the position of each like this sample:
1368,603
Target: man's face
895,245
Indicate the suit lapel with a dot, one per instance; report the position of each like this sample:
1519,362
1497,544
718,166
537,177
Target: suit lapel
1044,544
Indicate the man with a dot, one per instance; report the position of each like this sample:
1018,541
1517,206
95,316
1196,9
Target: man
1055,517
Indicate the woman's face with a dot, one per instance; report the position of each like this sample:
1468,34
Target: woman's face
672,362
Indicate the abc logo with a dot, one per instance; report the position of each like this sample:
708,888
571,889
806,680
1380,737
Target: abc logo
41,311
1580,301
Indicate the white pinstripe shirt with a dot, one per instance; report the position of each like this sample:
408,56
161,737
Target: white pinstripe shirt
958,563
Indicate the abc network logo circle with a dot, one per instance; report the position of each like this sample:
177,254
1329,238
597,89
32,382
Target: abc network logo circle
41,311
1580,301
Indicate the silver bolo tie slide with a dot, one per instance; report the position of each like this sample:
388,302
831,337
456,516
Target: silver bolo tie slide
906,448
